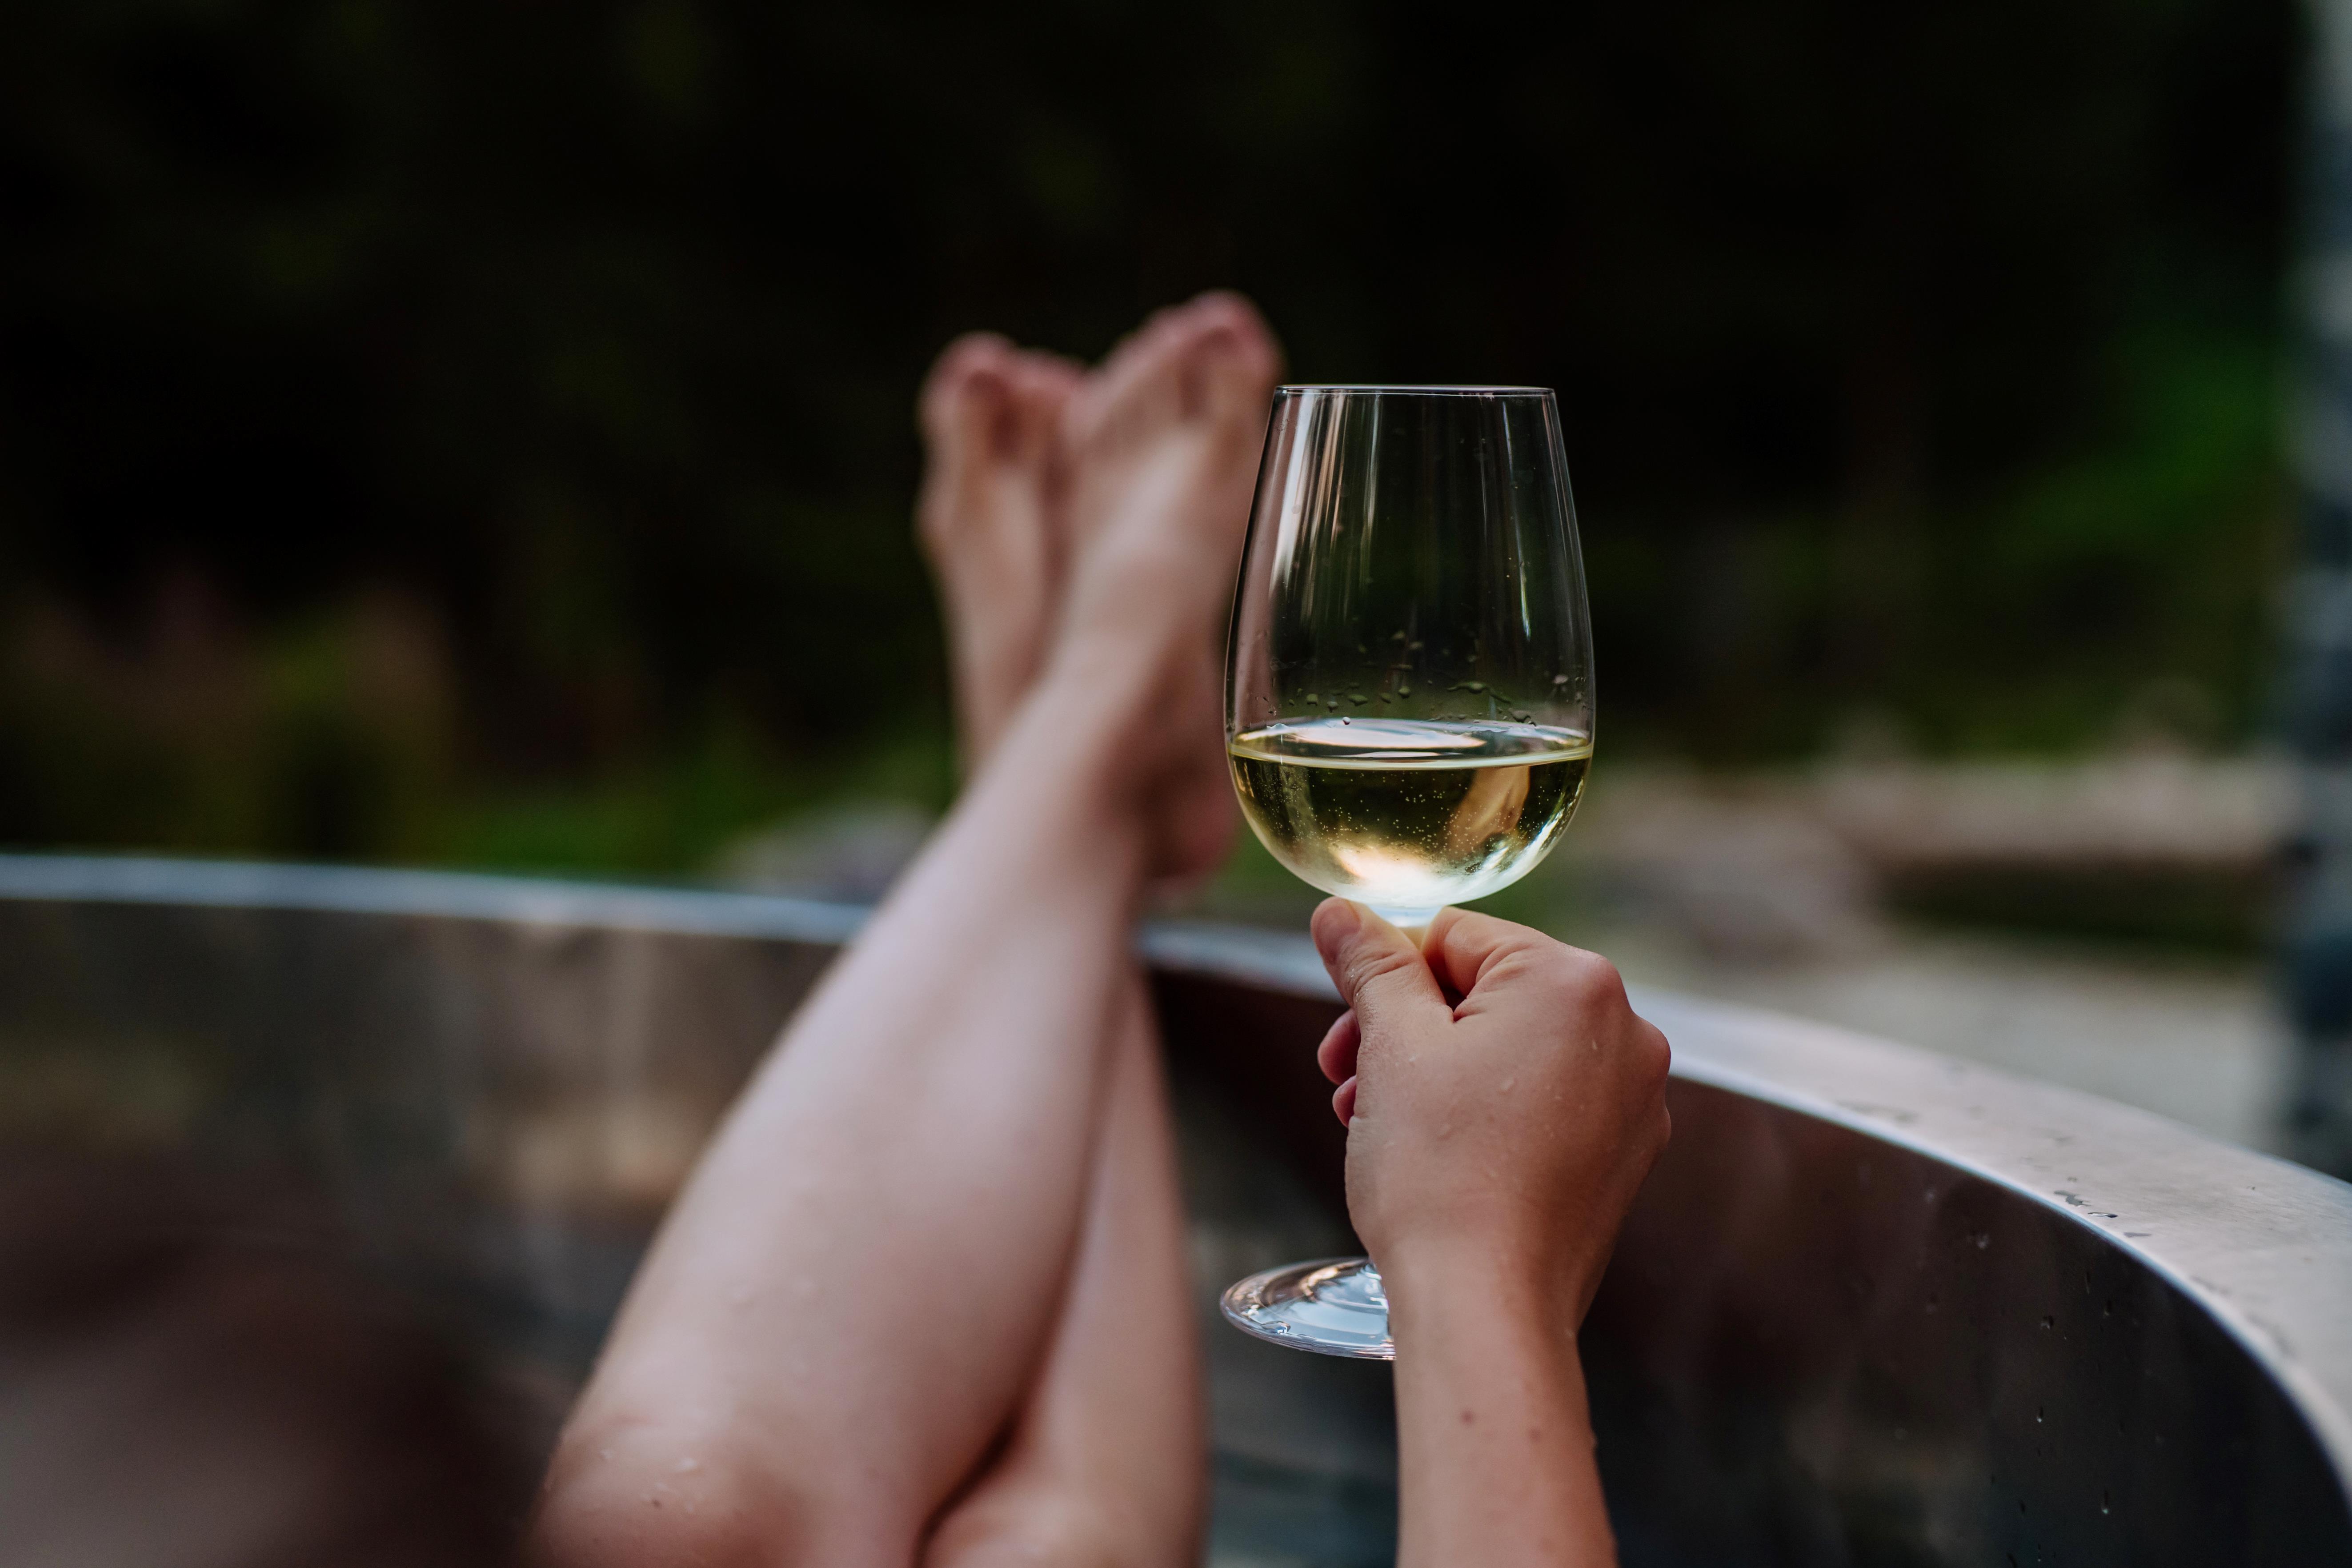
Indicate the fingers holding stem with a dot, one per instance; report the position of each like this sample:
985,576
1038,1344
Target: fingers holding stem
1336,1057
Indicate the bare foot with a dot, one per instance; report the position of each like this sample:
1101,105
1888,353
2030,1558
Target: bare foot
988,519
1162,445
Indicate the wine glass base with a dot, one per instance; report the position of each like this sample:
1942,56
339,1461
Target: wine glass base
1334,1306
1407,919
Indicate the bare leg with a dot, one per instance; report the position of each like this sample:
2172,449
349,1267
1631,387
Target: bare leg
845,1310
1105,1464
1106,1459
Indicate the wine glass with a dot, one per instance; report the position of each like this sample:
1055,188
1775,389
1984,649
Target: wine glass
1409,691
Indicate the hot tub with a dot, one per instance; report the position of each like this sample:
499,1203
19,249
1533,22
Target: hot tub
1874,1307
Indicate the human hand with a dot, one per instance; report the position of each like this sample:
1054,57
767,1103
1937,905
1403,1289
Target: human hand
1507,1130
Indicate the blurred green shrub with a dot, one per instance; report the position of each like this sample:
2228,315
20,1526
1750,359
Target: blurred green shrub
452,431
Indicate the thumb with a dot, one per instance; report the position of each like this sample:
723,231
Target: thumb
1379,970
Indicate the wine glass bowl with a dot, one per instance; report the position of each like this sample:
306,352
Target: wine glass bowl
1409,691
1409,672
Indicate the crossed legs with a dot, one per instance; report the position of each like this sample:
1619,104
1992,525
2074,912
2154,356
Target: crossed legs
1103,1462
924,1299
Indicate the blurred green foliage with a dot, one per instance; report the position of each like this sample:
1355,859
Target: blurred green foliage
483,433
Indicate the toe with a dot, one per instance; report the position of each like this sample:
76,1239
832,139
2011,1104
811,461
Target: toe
940,405
1235,363
971,426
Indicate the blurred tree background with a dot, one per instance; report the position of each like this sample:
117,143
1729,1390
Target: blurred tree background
482,433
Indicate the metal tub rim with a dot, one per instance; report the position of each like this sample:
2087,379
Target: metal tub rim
2262,1246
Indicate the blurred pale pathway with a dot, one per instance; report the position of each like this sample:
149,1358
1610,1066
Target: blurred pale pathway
2117,907
2196,1040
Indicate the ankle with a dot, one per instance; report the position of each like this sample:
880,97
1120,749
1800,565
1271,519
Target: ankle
1073,737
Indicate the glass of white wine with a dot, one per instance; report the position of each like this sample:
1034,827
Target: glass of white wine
1409,691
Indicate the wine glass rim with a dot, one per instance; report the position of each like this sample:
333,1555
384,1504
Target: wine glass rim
1436,389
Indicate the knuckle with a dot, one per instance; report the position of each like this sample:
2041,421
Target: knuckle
1654,1056
1582,979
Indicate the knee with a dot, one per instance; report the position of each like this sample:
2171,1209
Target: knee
617,1520
632,1501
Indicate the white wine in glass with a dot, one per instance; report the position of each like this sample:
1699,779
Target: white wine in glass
1409,814
1409,691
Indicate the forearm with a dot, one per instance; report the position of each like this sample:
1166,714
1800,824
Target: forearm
1494,1439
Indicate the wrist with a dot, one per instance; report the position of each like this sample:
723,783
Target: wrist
1444,1286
